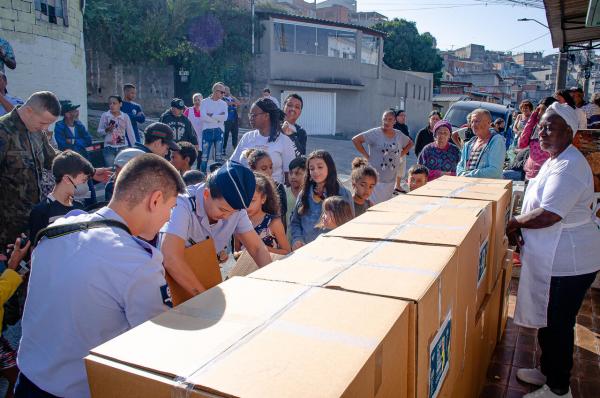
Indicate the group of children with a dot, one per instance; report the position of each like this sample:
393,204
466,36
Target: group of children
315,200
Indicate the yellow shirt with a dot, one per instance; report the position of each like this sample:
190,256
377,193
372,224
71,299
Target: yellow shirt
9,282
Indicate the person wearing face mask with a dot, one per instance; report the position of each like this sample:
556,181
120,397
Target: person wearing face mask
71,172
500,128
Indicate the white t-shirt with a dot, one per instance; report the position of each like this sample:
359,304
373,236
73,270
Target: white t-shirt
281,151
274,100
569,192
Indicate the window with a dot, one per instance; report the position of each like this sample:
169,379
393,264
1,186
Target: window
52,11
369,52
311,40
306,38
283,37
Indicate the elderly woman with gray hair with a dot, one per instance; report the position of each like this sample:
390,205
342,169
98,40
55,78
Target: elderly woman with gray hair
560,251
483,155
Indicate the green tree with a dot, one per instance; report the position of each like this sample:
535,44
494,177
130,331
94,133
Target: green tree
211,39
404,48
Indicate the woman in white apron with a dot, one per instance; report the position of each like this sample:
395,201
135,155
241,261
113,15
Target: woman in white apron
560,251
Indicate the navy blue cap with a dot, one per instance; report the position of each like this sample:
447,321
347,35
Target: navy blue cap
236,183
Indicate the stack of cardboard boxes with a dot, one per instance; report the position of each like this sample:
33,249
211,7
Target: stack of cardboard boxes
403,301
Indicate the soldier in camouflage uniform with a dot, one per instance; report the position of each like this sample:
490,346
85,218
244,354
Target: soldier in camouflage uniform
24,152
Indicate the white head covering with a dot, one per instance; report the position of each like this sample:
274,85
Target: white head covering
568,114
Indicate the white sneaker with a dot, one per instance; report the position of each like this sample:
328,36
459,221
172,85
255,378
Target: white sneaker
531,376
545,392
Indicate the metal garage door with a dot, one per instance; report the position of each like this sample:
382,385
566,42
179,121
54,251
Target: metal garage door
318,113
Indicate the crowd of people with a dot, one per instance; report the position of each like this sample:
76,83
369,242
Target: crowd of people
164,194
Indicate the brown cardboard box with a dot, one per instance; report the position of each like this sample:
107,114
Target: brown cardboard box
482,343
255,338
465,224
499,192
423,275
506,278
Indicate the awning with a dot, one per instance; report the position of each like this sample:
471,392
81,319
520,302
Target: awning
566,20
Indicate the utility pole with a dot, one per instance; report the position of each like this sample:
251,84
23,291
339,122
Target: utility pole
252,10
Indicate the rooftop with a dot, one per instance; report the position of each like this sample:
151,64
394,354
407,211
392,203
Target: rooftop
325,22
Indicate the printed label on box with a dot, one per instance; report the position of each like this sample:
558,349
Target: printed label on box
439,357
482,266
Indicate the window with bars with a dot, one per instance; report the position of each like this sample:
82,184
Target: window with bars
52,11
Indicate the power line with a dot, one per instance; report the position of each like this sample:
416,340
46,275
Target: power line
530,41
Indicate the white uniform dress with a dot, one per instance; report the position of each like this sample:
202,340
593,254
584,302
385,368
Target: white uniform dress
85,288
193,226
564,186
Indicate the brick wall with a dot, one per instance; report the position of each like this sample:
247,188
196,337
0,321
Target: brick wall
49,56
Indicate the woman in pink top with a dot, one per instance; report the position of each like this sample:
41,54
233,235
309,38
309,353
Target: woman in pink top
530,138
193,114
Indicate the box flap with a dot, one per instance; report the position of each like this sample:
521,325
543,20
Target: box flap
168,344
315,348
257,338
392,269
431,224
466,188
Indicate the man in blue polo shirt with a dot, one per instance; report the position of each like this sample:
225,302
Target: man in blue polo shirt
214,210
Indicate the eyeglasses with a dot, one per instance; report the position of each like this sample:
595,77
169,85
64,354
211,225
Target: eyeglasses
222,92
254,115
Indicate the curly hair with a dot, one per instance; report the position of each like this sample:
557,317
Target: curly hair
276,117
266,186
361,169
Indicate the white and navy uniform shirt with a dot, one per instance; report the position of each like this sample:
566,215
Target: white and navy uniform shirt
84,289
190,222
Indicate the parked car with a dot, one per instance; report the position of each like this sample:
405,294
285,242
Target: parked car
457,114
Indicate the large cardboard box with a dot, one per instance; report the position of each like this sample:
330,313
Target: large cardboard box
506,279
499,192
423,275
254,338
462,223
482,343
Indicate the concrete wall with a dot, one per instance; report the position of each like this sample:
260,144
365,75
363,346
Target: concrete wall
49,56
363,91
155,83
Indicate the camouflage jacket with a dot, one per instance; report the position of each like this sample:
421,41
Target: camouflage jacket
23,155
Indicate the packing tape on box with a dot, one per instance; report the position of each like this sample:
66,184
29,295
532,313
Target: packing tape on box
183,386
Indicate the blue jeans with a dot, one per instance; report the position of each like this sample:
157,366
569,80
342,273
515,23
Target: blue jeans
110,153
210,138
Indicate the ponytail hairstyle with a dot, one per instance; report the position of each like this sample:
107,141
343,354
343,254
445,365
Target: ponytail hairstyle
266,186
339,208
332,186
361,169
276,117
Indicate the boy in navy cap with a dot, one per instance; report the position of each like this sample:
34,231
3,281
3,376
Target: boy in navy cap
180,124
214,210
158,139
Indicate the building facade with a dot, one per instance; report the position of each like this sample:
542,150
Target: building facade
47,40
338,69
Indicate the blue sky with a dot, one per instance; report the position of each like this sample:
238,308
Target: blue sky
470,21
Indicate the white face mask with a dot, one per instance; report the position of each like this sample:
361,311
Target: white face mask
82,191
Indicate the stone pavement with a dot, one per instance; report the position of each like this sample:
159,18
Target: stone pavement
519,349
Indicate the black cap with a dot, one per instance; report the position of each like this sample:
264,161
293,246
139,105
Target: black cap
177,103
67,106
161,130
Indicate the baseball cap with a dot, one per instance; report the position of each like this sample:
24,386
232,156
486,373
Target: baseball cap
126,155
161,130
177,103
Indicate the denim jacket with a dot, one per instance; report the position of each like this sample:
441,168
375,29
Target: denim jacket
303,226
491,161
82,137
